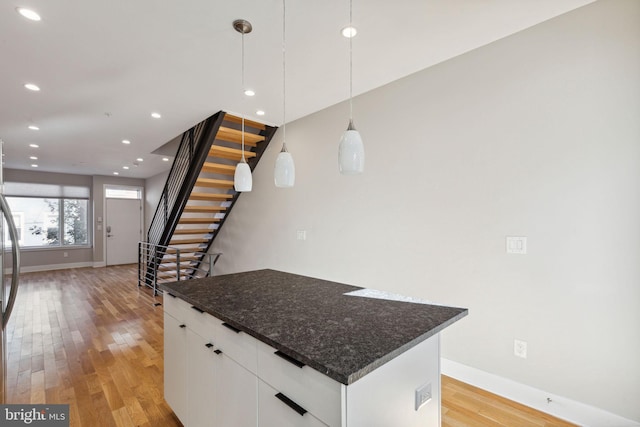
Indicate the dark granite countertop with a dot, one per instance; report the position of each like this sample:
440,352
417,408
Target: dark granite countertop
344,337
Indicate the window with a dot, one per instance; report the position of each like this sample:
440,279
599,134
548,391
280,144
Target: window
51,222
123,193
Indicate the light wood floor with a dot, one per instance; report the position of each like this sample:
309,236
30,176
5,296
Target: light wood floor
92,339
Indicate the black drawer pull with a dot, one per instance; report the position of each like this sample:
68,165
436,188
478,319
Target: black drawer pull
217,351
291,404
171,295
197,309
208,345
236,330
183,326
289,359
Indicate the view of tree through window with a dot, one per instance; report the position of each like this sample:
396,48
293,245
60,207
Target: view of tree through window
52,221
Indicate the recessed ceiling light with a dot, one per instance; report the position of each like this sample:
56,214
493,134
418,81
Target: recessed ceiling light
32,87
33,158
125,167
260,113
28,13
34,127
34,146
126,141
349,32
249,92
165,159
156,115
140,159
34,166
116,173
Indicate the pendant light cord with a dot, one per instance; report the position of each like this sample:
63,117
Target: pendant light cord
243,159
284,78
351,62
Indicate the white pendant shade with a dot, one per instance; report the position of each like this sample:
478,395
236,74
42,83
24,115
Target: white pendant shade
351,152
285,170
242,180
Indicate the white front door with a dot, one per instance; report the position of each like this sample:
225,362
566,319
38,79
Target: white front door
123,220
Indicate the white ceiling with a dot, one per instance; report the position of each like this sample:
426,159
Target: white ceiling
104,66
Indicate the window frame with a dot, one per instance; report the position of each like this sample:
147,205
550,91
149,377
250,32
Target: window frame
60,224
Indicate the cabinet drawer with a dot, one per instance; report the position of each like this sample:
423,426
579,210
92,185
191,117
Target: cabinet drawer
315,392
277,410
197,321
202,323
175,306
237,345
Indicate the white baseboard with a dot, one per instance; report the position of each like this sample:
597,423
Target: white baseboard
49,267
99,264
560,407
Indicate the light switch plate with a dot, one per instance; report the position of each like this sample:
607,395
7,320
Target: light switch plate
423,395
516,245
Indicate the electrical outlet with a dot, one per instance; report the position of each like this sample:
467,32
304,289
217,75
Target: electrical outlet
520,348
423,395
302,234
65,254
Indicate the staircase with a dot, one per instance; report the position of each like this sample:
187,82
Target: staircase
198,197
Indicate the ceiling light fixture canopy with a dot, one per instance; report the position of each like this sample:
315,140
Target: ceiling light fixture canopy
284,174
351,150
242,179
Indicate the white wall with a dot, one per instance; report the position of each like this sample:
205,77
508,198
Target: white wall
153,190
536,135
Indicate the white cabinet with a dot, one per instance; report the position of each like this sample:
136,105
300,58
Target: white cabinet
201,381
236,397
175,366
275,409
203,385
315,392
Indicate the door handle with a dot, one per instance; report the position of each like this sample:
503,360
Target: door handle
108,229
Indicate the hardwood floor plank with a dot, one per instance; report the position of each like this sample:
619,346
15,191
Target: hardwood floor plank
92,339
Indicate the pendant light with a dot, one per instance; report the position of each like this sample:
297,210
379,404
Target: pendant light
284,174
351,151
242,179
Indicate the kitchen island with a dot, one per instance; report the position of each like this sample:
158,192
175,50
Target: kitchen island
269,348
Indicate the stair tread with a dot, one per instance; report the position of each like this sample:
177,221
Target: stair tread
210,196
230,153
212,167
234,135
187,241
199,220
183,231
211,209
216,183
238,120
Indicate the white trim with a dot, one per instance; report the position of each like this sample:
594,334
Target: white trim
560,407
99,264
33,268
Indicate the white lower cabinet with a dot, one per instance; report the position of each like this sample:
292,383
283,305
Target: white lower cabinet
236,397
278,410
218,376
201,382
175,366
